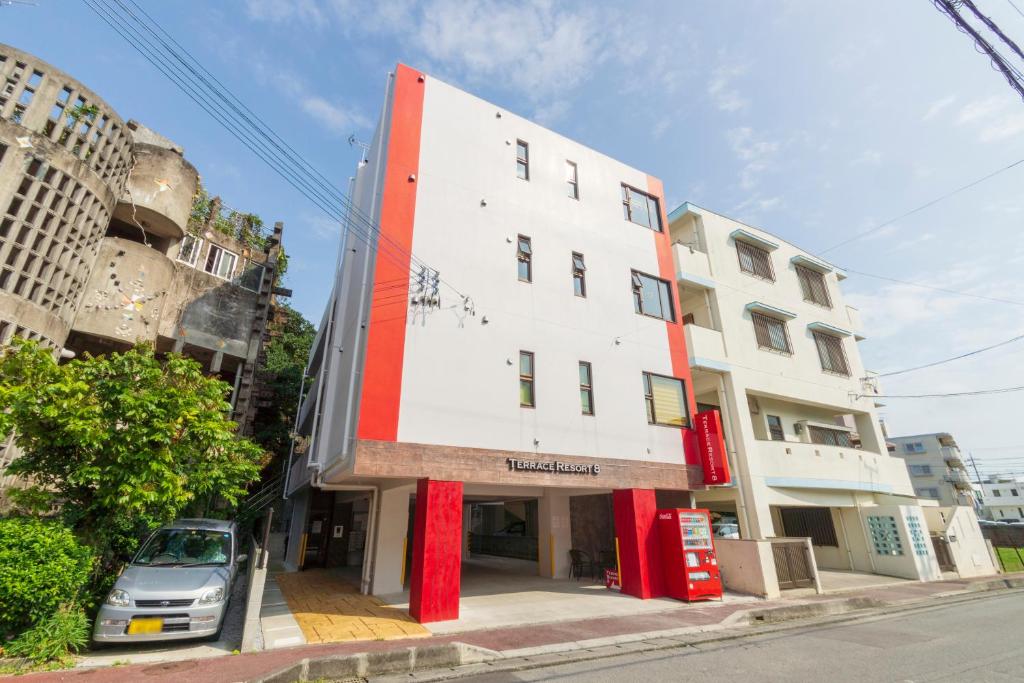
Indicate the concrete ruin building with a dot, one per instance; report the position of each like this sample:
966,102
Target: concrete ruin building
107,239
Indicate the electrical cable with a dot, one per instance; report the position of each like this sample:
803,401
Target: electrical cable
1014,6
922,207
948,360
937,289
980,392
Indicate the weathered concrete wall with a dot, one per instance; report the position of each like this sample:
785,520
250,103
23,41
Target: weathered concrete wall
126,293
159,191
747,567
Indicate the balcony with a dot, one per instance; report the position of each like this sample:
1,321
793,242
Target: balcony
952,457
789,464
705,348
958,479
855,324
692,266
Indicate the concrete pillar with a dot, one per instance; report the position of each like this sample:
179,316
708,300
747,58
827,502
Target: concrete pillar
636,534
554,537
297,527
436,556
467,520
754,513
389,552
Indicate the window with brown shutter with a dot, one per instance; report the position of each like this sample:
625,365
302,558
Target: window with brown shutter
755,261
771,333
814,287
831,354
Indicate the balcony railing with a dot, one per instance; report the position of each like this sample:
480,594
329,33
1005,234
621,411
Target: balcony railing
957,478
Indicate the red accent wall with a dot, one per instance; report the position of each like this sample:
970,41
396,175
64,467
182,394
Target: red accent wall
385,340
640,571
676,336
436,551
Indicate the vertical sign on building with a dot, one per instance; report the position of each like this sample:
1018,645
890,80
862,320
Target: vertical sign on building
711,446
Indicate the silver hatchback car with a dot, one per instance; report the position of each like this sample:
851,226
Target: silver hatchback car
176,587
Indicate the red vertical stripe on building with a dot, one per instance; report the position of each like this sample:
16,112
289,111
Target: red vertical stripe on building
676,336
436,551
385,340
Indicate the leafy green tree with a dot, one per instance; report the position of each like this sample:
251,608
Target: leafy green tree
122,442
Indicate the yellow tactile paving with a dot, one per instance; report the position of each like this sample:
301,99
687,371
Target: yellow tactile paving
331,610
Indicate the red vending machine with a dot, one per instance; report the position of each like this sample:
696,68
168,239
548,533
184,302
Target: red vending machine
690,566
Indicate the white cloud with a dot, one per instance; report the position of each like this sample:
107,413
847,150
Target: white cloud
937,107
756,154
1005,127
980,109
722,91
334,117
869,157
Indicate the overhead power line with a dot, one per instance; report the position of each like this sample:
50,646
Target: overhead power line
922,207
949,360
158,47
980,392
951,9
936,289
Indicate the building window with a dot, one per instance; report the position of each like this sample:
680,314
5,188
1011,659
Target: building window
1013,492
814,287
771,333
522,160
640,208
524,256
220,262
815,523
579,275
775,428
920,470
586,388
996,493
666,401
928,493
829,437
831,354
914,447
652,296
526,394
189,250
755,261
572,180
251,276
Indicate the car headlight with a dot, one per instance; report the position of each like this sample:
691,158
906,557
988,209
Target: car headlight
212,595
119,598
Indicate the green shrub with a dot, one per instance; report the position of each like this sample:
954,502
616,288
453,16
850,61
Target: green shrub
54,638
42,567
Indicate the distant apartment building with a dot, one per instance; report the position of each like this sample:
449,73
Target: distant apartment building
1002,498
773,346
102,243
937,470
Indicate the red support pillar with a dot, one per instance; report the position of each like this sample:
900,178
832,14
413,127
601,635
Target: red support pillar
436,551
636,532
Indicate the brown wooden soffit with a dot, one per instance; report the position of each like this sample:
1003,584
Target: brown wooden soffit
486,466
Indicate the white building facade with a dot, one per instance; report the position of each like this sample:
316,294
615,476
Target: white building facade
773,346
530,355
1002,498
936,468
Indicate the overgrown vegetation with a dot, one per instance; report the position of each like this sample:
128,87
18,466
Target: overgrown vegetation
118,444
247,228
54,638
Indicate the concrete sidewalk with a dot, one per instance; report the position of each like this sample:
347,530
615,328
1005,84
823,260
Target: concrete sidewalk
547,639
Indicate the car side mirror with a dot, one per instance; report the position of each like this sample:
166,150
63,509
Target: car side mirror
241,558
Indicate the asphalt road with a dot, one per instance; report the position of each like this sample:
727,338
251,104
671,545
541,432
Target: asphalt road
979,640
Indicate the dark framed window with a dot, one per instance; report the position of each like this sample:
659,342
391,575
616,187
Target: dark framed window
775,428
527,398
829,437
524,258
665,398
831,354
522,160
771,333
814,287
579,275
815,523
755,261
640,208
586,388
652,296
572,180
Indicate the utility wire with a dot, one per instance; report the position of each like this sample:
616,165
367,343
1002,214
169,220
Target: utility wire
948,360
1014,6
937,289
980,392
922,207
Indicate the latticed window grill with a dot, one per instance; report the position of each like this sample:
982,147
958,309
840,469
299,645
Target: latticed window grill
771,333
829,437
755,261
814,287
831,354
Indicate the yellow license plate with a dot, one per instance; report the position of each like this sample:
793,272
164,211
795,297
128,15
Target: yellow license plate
145,626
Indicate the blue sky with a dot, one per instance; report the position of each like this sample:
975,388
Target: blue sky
813,120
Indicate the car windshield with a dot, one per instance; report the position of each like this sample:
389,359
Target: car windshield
177,547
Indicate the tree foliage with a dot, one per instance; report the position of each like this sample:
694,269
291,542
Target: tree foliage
123,441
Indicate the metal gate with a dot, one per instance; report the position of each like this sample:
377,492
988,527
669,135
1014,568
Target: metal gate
942,554
791,565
